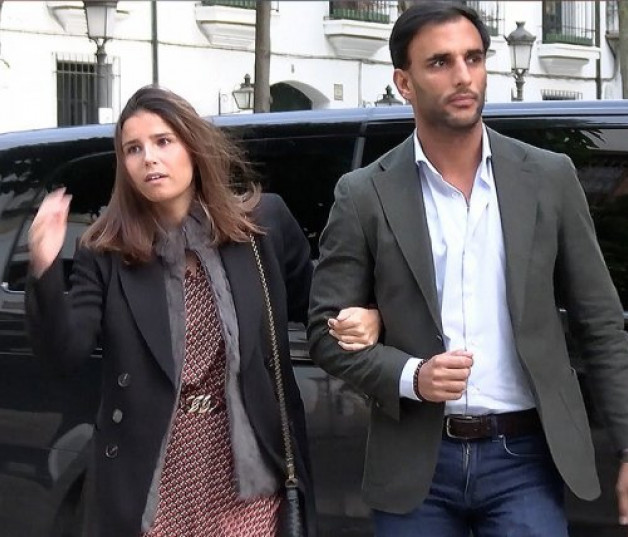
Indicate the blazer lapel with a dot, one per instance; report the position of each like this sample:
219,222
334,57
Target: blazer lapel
145,290
246,290
399,189
518,203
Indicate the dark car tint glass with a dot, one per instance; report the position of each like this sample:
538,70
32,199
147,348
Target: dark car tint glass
303,171
89,181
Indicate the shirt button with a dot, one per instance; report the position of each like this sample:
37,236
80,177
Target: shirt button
111,451
124,380
117,415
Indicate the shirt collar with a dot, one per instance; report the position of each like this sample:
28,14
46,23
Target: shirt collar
484,170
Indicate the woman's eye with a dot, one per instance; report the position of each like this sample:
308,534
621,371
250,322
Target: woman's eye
132,149
163,141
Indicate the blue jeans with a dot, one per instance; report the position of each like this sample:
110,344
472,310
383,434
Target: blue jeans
498,487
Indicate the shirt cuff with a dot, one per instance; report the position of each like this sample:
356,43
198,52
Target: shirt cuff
406,381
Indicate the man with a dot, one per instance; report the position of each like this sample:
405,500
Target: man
467,240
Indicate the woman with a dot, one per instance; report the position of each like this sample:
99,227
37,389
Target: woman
187,440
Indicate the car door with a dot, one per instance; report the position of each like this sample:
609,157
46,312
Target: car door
45,419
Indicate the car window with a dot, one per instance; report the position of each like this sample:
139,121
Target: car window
89,181
601,159
303,171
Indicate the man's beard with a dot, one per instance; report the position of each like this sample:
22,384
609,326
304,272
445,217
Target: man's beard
440,118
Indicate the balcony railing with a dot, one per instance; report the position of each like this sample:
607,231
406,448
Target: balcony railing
491,14
362,10
612,17
571,22
246,4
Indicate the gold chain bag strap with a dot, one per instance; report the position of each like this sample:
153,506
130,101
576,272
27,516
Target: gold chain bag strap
291,515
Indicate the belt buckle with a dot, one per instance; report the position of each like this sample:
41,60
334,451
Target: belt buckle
448,425
201,404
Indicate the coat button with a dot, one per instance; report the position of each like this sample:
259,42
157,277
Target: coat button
124,379
117,415
111,451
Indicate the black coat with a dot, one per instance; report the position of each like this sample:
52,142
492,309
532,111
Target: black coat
125,307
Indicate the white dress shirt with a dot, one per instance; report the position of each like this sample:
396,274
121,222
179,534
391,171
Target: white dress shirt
469,264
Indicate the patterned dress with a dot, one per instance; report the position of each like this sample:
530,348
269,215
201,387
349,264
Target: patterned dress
197,495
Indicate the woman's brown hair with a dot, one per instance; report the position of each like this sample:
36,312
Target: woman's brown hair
128,225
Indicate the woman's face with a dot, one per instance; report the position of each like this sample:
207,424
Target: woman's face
159,165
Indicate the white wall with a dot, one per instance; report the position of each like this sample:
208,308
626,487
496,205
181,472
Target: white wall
303,56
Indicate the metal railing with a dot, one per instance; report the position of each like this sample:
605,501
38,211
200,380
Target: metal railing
77,80
571,22
362,10
491,13
245,4
612,17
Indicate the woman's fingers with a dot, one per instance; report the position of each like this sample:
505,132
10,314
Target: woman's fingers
47,232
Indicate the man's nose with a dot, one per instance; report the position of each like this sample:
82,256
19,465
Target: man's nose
462,74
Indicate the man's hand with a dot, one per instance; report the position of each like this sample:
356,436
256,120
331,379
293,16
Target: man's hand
444,377
356,328
622,493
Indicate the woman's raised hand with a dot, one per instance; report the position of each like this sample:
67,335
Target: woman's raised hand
355,328
47,232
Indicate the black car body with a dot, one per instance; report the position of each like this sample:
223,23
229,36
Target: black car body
46,420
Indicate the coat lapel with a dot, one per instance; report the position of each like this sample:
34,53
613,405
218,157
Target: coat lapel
246,290
518,202
145,290
399,189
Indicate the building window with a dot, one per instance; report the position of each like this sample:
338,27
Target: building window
492,15
77,83
76,93
362,10
560,95
569,22
612,17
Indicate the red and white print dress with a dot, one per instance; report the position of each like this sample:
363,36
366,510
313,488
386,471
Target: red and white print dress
197,493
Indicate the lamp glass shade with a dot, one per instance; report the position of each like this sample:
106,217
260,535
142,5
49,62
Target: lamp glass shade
244,94
520,43
101,18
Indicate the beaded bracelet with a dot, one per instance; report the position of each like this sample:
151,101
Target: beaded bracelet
415,379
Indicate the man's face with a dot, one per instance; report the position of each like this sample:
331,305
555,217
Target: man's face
446,79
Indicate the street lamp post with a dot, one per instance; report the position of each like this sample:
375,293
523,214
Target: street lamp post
101,17
520,43
388,98
244,94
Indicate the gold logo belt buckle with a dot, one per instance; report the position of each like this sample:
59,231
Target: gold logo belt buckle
201,404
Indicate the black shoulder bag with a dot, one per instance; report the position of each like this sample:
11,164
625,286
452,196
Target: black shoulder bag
291,524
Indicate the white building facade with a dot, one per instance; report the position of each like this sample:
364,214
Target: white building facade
323,54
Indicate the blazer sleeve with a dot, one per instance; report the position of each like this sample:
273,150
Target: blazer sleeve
344,277
594,311
64,327
293,254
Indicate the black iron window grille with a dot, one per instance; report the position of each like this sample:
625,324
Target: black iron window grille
571,22
77,83
362,10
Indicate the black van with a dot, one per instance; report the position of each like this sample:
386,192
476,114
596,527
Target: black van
46,421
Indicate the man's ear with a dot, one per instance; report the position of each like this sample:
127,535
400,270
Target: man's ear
402,81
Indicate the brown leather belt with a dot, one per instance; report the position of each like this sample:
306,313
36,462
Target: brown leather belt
460,427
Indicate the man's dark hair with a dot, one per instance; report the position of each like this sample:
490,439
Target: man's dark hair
413,19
